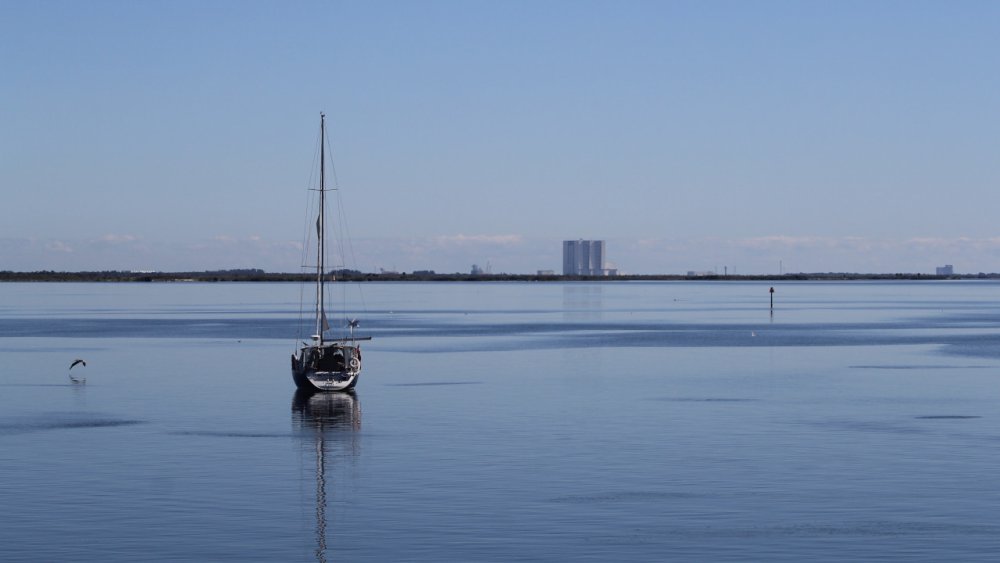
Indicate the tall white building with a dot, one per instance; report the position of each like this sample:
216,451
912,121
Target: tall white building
583,258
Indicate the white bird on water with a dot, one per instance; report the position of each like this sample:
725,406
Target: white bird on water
82,380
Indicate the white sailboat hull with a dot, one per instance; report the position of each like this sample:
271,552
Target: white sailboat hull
329,367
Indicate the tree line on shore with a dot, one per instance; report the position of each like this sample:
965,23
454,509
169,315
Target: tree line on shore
257,275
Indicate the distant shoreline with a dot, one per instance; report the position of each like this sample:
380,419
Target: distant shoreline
352,276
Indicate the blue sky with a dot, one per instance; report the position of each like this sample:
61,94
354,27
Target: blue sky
836,136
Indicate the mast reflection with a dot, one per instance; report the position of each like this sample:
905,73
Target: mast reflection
326,417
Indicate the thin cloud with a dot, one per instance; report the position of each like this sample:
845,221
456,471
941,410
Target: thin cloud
115,238
786,241
479,239
58,246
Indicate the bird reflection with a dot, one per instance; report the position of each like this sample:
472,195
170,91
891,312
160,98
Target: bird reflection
326,417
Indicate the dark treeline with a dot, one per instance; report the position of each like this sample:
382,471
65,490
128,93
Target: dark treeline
256,275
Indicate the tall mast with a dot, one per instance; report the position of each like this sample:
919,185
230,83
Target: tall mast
321,229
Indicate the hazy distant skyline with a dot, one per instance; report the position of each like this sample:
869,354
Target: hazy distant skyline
841,136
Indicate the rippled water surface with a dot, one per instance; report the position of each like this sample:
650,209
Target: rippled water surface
504,422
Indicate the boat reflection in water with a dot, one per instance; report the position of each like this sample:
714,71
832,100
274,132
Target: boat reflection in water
334,411
326,420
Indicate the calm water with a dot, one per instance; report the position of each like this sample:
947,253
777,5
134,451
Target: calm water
505,422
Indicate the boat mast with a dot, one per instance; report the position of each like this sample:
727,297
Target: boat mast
321,229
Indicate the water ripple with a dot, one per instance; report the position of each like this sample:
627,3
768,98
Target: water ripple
37,425
223,434
806,530
621,496
433,383
702,399
917,366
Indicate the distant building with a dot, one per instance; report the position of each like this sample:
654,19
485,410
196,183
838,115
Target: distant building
476,270
546,272
584,258
946,270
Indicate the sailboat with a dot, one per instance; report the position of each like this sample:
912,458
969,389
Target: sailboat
326,364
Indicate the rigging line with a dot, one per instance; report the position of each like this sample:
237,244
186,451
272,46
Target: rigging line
339,226
350,245
310,208
342,225
302,298
333,165
307,230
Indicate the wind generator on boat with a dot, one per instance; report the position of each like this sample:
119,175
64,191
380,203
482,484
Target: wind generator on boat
326,364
